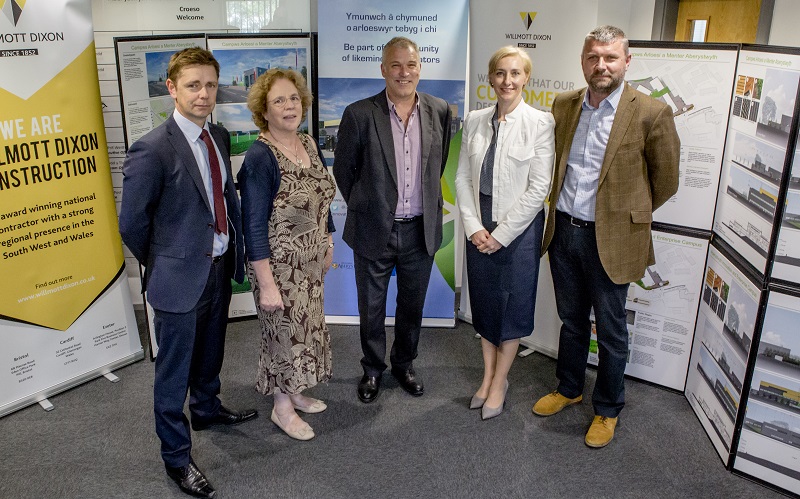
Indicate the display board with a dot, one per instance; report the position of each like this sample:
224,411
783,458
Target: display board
764,106
696,82
723,339
242,59
769,444
142,75
786,265
662,307
65,315
154,19
351,40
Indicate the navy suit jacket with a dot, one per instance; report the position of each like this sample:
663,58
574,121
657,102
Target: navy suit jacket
366,172
166,219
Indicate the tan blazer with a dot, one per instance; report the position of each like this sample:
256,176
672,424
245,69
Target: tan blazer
639,174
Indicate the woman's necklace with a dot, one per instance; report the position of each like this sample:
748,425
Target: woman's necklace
297,159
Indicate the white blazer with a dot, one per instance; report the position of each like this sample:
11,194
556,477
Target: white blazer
523,169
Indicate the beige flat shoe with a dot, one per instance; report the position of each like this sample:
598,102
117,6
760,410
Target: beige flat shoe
315,408
305,433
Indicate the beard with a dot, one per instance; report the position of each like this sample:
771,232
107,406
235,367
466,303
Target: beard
604,86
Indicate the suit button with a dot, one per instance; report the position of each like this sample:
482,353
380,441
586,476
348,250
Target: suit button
210,226
208,255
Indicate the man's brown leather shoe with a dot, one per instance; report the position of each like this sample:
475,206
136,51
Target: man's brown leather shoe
601,432
552,403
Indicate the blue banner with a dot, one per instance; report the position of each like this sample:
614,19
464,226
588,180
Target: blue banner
351,38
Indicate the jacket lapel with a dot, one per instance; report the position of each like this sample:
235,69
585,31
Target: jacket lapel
622,119
185,156
572,118
426,126
383,128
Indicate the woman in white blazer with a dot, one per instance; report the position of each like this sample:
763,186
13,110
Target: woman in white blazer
504,173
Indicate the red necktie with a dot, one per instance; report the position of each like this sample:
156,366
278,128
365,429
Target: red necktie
216,185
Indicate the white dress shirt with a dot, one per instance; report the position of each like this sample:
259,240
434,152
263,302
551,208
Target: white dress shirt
192,133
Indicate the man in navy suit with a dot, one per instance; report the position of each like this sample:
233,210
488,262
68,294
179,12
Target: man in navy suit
180,218
391,152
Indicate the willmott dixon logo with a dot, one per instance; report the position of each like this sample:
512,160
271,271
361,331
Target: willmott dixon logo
527,18
12,9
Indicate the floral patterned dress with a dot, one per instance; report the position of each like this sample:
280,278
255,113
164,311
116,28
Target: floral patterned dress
295,344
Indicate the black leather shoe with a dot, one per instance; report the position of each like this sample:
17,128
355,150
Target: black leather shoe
409,381
369,388
191,480
225,417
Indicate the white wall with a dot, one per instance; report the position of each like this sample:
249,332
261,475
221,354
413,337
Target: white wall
784,23
634,17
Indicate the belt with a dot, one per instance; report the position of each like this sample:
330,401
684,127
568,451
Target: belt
407,220
576,222
218,258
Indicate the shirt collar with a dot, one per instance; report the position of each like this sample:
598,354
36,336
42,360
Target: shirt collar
612,99
394,108
189,128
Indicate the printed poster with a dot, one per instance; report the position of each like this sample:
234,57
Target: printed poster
786,265
142,73
662,307
553,44
350,44
696,84
65,314
242,60
723,339
764,104
769,445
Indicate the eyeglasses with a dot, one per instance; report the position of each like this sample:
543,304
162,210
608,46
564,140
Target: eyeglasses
281,102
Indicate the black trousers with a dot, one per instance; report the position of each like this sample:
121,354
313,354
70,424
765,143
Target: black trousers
405,256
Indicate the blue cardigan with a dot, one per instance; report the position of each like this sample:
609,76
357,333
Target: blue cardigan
259,181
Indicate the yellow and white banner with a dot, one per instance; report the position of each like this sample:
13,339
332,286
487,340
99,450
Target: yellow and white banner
60,249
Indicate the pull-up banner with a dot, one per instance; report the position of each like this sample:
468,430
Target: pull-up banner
350,45
63,315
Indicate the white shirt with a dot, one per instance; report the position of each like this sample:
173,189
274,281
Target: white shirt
523,169
192,133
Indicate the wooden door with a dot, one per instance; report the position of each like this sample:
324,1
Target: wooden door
727,20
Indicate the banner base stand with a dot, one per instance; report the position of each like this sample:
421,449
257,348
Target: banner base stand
46,405
41,396
111,377
526,352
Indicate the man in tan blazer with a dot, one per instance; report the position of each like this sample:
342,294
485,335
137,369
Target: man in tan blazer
617,155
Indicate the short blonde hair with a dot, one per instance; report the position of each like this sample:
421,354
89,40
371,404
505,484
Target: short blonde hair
257,97
510,51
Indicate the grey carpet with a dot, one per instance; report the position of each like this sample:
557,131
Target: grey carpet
99,442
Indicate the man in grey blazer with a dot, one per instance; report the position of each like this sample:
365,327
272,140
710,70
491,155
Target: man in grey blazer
180,218
617,157
390,155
